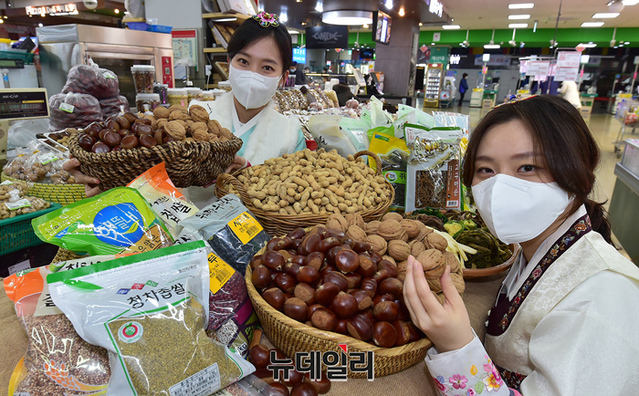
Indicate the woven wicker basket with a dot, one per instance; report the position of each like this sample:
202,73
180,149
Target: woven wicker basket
63,194
278,224
290,336
187,163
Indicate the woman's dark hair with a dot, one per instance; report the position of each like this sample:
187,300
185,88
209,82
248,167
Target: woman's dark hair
251,31
559,132
464,75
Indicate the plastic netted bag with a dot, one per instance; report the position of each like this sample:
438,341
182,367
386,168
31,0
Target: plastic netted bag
147,311
89,79
38,162
73,110
113,106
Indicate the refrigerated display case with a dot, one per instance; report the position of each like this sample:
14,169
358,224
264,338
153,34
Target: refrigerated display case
432,90
64,46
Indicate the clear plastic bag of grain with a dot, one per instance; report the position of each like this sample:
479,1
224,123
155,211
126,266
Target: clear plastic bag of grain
57,361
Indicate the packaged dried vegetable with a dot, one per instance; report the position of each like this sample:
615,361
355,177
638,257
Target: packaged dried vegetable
57,361
166,200
116,221
147,311
433,170
394,155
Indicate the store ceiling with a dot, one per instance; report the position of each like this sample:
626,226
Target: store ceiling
493,14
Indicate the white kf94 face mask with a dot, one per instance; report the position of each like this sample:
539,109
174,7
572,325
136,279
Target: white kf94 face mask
252,90
517,210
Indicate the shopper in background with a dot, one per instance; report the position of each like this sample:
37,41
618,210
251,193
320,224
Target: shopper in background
300,77
565,321
260,54
463,87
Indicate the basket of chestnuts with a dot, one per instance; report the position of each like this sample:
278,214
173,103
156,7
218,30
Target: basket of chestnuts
316,289
194,148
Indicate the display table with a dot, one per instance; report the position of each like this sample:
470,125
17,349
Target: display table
479,296
476,97
489,99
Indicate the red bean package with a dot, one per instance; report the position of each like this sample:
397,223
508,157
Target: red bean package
73,110
112,106
101,83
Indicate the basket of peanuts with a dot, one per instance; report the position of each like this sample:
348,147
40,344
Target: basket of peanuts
195,148
341,283
303,189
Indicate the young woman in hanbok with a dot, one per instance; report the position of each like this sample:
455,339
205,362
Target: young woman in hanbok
566,319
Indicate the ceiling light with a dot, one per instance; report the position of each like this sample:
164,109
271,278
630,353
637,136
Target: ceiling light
592,24
492,46
517,25
1,20
522,6
293,32
589,45
615,6
5,17
388,4
630,2
520,16
603,15
284,17
451,27
401,12
347,17
319,7
627,42
40,24
535,27
303,23
117,11
298,1
421,24
432,43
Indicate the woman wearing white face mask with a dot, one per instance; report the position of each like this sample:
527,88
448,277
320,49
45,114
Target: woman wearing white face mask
565,321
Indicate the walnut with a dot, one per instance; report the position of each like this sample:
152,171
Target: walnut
175,130
356,233
451,260
390,230
430,259
337,222
434,285
411,227
355,219
423,233
198,125
213,138
402,267
199,113
162,123
458,281
225,134
161,112
389,258
436,241
190,140
371,227
398,250
201,135
178,108
416,247
378,243
392,216
179,115
154,121
214,126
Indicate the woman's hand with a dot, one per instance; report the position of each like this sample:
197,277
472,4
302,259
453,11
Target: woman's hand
90,183
238,163
447,325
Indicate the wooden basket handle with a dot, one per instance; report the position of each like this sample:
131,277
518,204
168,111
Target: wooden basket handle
378,161
225,178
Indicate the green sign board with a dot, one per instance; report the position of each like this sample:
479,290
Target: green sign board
439,55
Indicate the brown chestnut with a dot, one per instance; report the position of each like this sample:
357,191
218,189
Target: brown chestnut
404,314
116,148
124,132
273,260
315,260
327,269
308,275
309,244
113,125
387,265
159,135
391,286
285,282
367,267
297,233
415,333
328,243
360,327
381,275
313,308
292,269
324,319
403,332
272,243
326,293
296,309
346,260
129,142
354,280
335,234
375,257
341,326
322,385
338,278
124,123
303,389
382,297
265,375
261,277
259,356
279,389
146,121
364,300
386,311
361,247
330,255
344,305
112,139
370,286
294,377
147,141
130,116
93,129
102,133
275,297
305,292
384,334
255,261
143,129
86,141
100,147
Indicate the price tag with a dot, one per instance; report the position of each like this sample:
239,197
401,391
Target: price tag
245,227
107,75
67,107
219,271
47,158
23,203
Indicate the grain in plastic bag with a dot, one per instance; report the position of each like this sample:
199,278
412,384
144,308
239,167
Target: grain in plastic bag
231,229
73,110
147,311
57,361
394,155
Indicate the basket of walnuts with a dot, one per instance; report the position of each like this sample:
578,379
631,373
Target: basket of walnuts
194,148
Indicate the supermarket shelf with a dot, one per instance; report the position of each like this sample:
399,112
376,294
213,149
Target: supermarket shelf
215,50
220,15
